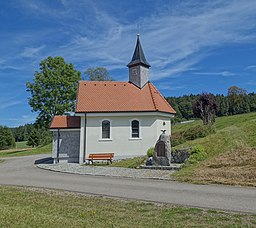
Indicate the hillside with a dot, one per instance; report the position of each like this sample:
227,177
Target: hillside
231,152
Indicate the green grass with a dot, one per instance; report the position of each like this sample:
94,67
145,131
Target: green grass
24,152
125,163
233,133
221,122
21,145
23,207
129,163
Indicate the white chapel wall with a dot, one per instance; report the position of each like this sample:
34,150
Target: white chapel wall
121,142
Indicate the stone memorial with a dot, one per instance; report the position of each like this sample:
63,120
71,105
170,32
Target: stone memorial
162,154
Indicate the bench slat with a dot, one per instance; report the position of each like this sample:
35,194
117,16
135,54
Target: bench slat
101,156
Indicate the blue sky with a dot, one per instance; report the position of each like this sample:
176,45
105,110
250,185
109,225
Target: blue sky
192,46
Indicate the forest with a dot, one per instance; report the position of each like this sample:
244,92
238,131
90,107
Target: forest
237,101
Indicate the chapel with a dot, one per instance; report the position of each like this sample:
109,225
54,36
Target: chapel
124,118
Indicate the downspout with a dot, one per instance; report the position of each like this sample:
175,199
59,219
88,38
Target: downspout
58,145
82,139
85,136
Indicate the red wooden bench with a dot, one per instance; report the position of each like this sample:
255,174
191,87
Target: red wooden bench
101,156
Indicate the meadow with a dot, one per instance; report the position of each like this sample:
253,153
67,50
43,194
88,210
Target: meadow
230,152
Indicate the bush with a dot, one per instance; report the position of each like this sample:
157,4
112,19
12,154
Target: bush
199,131
150,152
6,138
177,138
191,133
197,154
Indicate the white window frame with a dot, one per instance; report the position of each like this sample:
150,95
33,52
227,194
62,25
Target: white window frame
110,132
140,132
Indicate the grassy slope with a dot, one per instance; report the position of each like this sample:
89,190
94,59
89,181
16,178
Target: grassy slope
22,207
234,136
27,151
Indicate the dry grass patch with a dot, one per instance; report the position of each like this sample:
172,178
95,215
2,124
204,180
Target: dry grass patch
237,167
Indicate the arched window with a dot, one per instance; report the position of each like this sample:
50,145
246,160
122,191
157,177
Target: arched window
105,129
135,129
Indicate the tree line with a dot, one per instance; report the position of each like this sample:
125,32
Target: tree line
237,101
29,132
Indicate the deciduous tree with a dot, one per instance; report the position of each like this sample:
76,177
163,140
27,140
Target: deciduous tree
53,90
98,74
205,107
236,97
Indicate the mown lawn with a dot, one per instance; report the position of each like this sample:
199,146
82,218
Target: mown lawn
233,144
26,151
21,145
27,207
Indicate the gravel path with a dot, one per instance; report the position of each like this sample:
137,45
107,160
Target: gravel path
108,171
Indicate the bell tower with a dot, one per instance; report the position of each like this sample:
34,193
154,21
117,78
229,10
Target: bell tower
138,67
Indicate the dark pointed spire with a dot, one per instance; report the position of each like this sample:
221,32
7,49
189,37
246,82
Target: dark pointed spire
138,57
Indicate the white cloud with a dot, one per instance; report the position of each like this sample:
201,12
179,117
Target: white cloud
31,51
174,40
222,73
171,87
251,67
6,66
5,105
171,41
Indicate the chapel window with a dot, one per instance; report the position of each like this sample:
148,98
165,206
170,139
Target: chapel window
105,129
135,129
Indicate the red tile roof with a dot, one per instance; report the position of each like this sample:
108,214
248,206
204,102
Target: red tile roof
106,96
65,122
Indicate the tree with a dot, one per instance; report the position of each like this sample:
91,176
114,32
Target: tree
45,136
33,138
205,107
54,89
223,105
98,74
21,133
236,96
6,138
186,109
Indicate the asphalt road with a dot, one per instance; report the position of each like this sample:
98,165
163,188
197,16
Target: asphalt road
22,172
